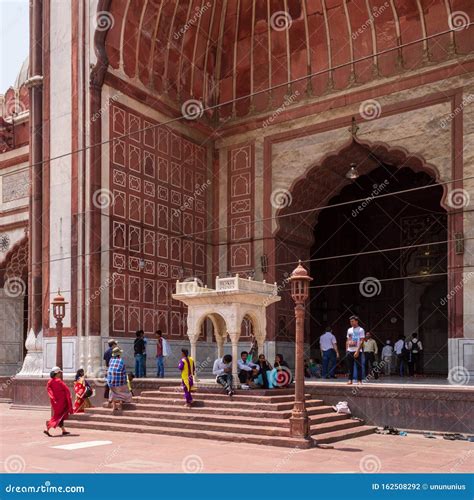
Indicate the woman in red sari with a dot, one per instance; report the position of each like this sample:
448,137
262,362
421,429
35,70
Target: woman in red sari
83,392
61,403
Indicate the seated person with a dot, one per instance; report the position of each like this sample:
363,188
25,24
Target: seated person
222,369
247,370
281,375
264,369
307,373
314,368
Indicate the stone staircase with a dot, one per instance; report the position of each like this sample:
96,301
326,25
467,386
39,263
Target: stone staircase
256,416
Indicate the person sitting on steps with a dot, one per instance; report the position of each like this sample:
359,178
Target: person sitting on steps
247,370
222,369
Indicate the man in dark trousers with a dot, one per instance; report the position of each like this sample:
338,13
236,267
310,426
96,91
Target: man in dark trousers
139,349
107,355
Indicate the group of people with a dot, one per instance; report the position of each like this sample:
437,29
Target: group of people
61,401
362,354
140,350
258,373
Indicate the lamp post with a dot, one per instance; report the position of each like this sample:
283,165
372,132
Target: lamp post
299,423
59,311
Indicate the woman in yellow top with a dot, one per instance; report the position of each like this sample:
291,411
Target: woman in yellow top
186,365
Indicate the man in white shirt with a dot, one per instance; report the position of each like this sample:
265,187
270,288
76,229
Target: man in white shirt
416,353
387,355
222,369
354,342
247,370
399,348
329,353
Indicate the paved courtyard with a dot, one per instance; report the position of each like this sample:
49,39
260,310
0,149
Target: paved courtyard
24,448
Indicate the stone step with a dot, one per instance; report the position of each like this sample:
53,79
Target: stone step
331,426
217,389
255,418
284,441
198,425
343,434
247,396
236,412
191,414
227,402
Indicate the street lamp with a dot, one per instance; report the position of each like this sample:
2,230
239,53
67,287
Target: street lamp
299,423
59,311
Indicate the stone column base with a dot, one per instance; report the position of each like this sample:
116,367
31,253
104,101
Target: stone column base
33,362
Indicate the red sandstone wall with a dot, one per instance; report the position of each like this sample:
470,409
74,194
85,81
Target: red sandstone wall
158,215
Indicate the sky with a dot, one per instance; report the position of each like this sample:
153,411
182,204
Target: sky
14,43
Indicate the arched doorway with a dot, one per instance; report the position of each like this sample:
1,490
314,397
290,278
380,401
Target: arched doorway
388,289
13,308
395,292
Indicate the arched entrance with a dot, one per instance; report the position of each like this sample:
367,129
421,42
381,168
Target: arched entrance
394,292
13,308
375,286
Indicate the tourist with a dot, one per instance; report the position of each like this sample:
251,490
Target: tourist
315,368
117,381
401,354
307,373
83,392
281,374
355,338
329,353
61,403
160,366
247,370
107,355
371,351
145,342
139,349
387,355
188,370
264,369
222,369
416,354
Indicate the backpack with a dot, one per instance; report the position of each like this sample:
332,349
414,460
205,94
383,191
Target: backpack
415,349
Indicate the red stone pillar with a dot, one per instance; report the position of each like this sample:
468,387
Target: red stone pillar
35,83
